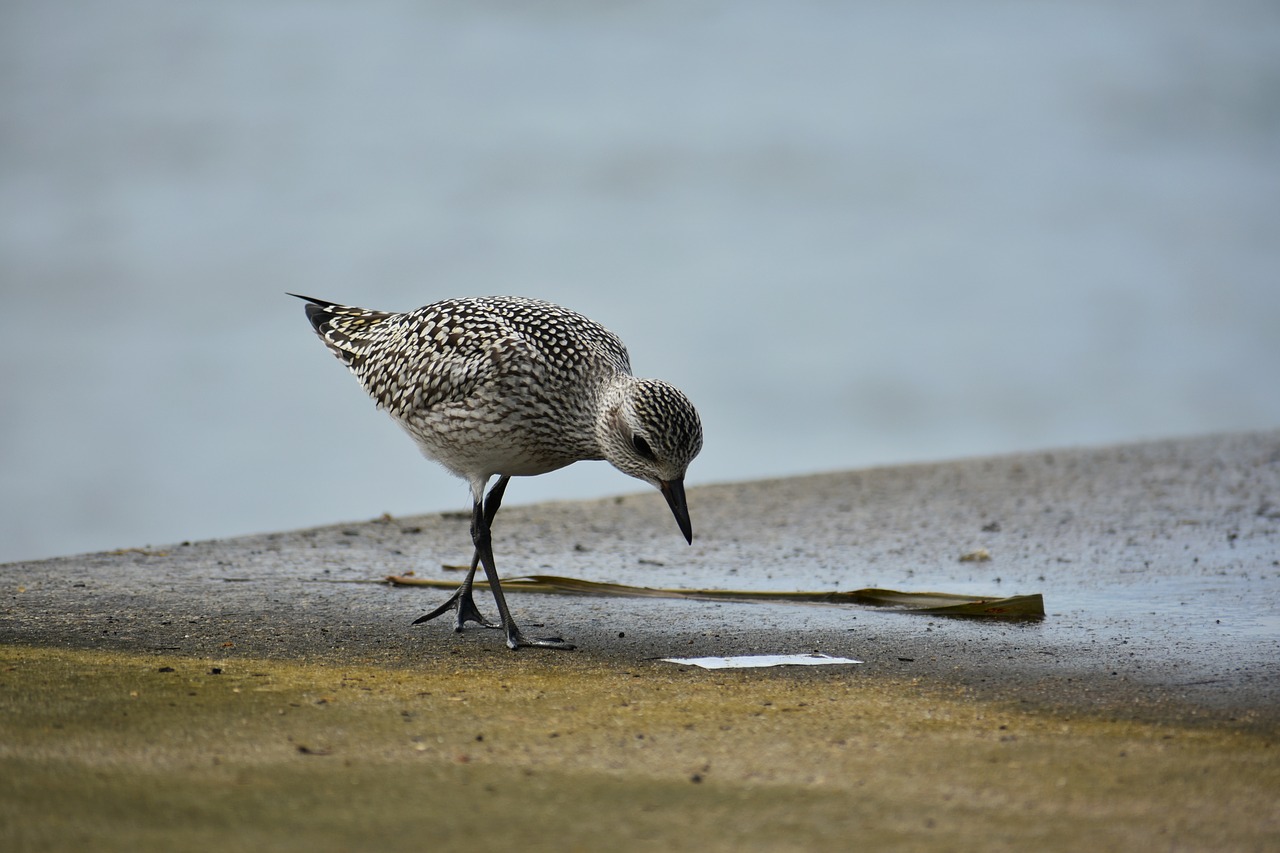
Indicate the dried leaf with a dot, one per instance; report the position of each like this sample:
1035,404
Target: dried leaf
928,603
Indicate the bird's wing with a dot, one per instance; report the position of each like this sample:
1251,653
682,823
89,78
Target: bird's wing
427,359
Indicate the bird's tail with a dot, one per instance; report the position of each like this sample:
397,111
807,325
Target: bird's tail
346,330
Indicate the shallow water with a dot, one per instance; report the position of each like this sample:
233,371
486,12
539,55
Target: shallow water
854,235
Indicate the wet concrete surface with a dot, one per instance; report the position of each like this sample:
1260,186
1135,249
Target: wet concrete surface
1159,564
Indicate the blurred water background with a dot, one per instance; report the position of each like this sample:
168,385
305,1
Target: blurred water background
854,233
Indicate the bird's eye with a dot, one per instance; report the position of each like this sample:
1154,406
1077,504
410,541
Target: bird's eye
642,448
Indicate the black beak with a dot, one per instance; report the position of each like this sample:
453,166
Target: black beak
673,491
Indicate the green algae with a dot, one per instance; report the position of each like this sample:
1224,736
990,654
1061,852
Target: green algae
137,751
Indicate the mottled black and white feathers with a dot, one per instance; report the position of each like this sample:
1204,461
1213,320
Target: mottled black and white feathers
512,386
506,386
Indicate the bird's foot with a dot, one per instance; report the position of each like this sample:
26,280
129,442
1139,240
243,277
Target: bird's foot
464,608
516,639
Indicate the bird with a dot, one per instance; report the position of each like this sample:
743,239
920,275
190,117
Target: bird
509,386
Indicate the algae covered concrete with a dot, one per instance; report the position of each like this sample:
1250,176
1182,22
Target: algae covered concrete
113,751
270,692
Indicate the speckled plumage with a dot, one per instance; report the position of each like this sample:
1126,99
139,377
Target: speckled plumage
510,386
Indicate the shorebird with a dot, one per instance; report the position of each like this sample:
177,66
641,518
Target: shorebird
506,387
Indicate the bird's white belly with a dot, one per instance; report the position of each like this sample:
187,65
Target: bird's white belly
502,450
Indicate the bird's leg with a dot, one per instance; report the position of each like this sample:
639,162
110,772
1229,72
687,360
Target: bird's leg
481,520
462,602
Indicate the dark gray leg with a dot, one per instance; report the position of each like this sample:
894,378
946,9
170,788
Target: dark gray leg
461,602
480,535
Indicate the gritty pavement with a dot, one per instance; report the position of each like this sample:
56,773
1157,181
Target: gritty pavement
1159,564
251,685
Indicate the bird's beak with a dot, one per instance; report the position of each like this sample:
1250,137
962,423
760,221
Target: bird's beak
673,491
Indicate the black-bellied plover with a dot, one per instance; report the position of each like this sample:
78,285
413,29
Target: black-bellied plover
511,387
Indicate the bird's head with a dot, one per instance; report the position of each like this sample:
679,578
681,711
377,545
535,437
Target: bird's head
652,432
